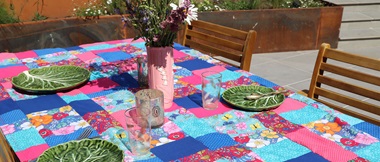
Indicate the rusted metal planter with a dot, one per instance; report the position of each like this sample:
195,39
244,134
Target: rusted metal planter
284,29
64,32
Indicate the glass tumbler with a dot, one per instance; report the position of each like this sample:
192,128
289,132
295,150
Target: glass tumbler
151,100
139,131
211,84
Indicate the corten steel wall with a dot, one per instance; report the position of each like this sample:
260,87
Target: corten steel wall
61,33
284,29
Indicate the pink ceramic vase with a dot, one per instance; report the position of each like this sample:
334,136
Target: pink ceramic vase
160,72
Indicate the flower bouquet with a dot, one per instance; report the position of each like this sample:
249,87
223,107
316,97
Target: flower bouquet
157,22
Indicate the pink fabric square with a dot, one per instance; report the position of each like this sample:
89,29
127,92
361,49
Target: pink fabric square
4,56
135,41
202,113
214,68
178,54
105,50
26,54
173,107
70,93
7,85
32,153
120,117
86,56
321,146
12,71
98,85
289,105
194,79
91,44
115,41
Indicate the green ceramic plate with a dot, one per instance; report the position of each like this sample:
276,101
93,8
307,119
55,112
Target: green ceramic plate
78,151
53,78
236,96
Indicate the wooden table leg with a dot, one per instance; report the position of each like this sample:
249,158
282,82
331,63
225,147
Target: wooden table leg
8,154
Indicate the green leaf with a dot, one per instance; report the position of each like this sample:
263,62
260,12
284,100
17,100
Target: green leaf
54,78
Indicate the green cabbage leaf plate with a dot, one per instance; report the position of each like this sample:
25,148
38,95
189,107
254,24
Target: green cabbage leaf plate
83,150
236,96
51,79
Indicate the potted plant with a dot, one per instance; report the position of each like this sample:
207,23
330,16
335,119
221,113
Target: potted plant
282,25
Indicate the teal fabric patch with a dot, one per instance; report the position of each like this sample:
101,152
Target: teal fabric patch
140,45
370,152
304,115
77,97
281,151
120,100
349,119
97,47
192,127
24,139
230,75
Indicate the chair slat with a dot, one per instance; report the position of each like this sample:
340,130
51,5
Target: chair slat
220,29
214,39
353,59
213,50
351,73
350,112
348,100
349,87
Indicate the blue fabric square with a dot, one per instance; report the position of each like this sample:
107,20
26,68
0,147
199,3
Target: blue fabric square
73,48
140,45
197,98
77,97
155,159
216,140
349,119
179,47
305,115
369,128
98,47
281,151
309,157
232,68
114,56
8,105
230,75
41,103
12,117
186,103
24,139
41,52
192,126
85,106
370,152
56,140
189,64
178,149
102,93
125,80
262,81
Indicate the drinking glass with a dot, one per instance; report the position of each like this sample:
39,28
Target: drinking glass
139,131
151,100
211,84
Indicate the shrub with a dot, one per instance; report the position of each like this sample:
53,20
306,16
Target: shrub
7,16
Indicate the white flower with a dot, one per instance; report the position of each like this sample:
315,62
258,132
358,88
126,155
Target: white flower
40,113
334,137
163,140
40,127
73,113
79,124
257,143
192,14
324,121
174,6
26,125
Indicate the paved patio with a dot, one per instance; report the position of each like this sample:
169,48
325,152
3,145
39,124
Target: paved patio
360,34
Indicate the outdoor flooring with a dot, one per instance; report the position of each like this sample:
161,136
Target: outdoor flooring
360,34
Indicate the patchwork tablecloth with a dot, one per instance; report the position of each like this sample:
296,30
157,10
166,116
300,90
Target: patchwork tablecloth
300,129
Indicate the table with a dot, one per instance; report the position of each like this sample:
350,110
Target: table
301,129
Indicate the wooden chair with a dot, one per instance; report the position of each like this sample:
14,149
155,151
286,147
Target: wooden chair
369,110
221,42
7,154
